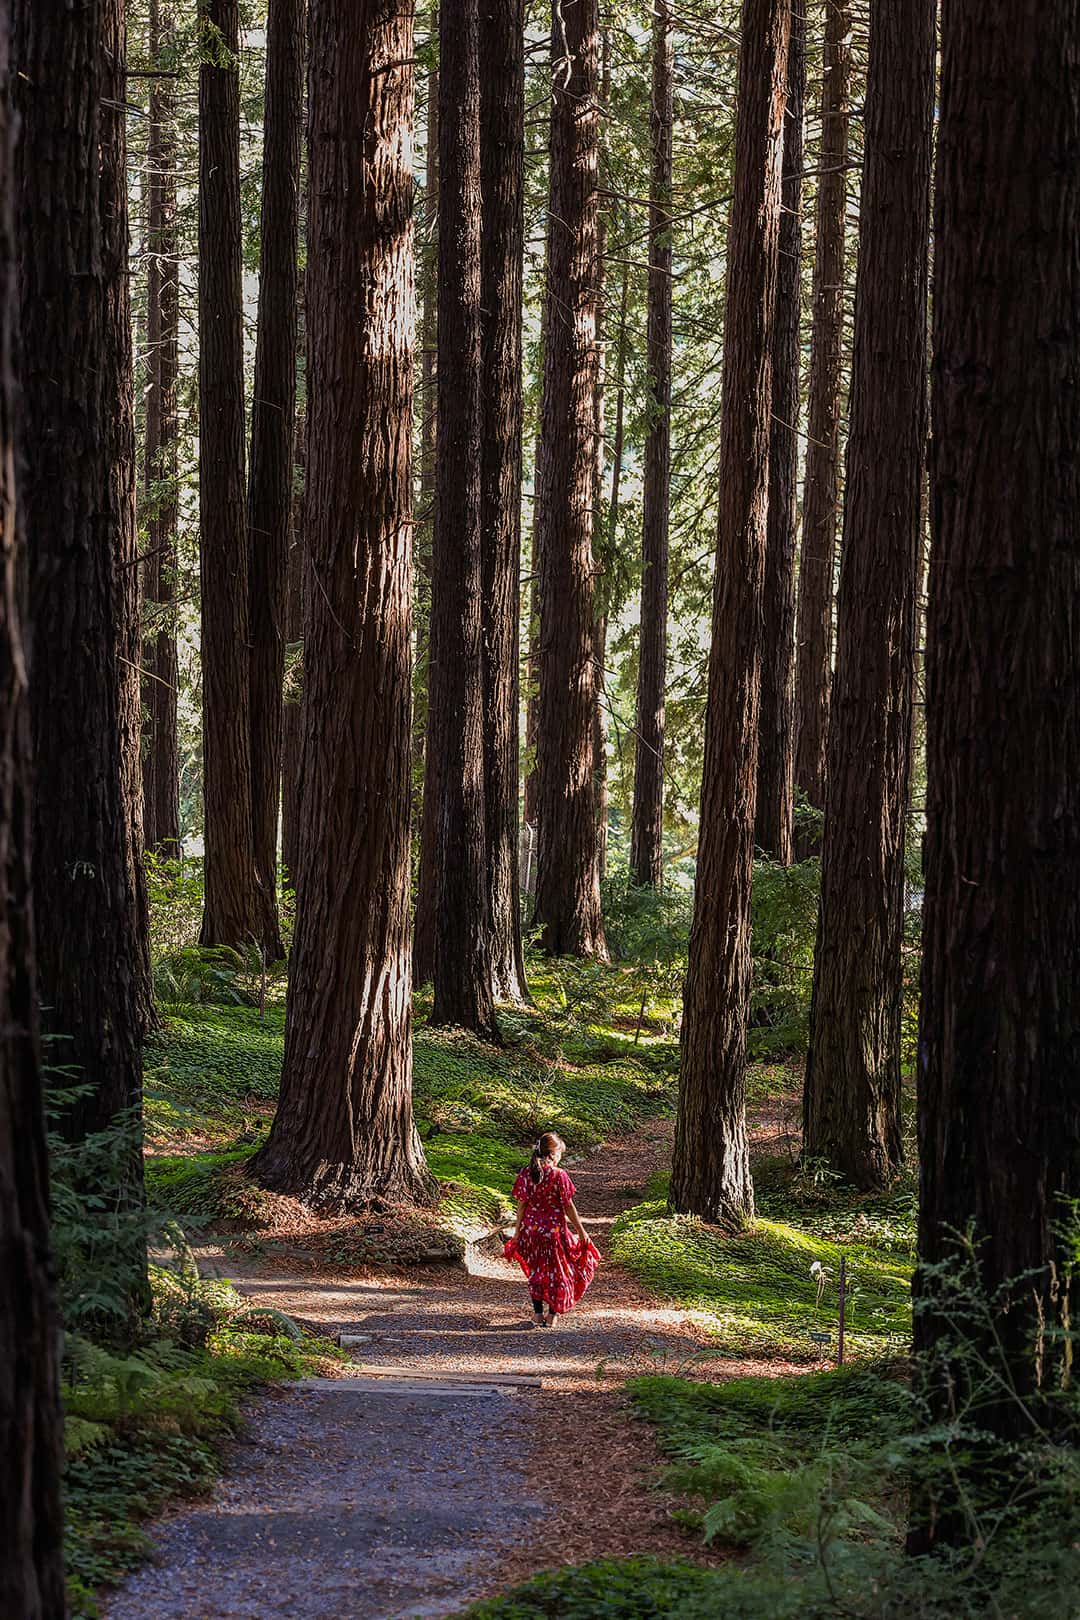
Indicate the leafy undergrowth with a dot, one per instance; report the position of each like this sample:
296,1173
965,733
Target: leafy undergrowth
213,1074
146,1426
805,1481
755,1290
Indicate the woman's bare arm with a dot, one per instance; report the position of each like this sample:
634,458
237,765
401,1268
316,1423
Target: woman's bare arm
575,1221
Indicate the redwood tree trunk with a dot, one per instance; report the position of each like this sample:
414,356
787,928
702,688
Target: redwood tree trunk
291,728
270,487
647,826
821,489
711,1168
234,909
773,823
344,1130
455,739
851,1105
424,918
999,1106
160,761
120,399
502,160
31,1421
77,513
568,874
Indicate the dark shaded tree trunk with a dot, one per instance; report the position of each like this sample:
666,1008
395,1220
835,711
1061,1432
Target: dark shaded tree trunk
821,488
31,1420
344,1129
502,163
851,1103
568,875
999,1106
647,825
711,1168
455,738
120,402
291,714
270,486
234,906
160,757
77,511
532,661
773,822
424,919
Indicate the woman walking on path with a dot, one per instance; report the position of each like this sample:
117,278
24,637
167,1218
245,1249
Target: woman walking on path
559,1270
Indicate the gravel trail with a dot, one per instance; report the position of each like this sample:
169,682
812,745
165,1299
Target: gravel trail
410,1487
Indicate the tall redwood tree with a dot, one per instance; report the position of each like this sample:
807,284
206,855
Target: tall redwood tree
160,760
999,1106
567,903
851,1107
344,1129
455,794
77,512
31,1420
773,821
273,408
235,911
821,487
502,174
647,825
711,1168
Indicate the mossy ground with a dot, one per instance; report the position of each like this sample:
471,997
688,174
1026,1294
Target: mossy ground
213,1074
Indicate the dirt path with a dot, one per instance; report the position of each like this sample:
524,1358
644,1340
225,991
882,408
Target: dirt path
466,1447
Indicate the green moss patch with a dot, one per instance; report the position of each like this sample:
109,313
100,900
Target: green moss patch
755,1287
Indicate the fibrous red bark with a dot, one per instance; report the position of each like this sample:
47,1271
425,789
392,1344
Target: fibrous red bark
711,1167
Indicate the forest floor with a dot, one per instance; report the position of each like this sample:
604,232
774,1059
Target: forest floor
462,1451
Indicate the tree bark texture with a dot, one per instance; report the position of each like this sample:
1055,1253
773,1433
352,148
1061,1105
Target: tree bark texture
455,741
711,1168
530,791
568,875
234,906
851,1105
502,161
291,728
270,474
344,1129
821,488
120,396
773,822
999,1106
31,1421
76,506
160,759
647,825
424,915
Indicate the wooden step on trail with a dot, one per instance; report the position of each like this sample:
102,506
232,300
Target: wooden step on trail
406,1383
369,1369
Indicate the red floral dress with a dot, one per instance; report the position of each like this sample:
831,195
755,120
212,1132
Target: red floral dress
559,1267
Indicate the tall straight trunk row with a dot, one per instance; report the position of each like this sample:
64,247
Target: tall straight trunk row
344,1131
235,907
160,763
567,904
775,778
852,1088
711,1167
647,826
821,490
31,1421
271,469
